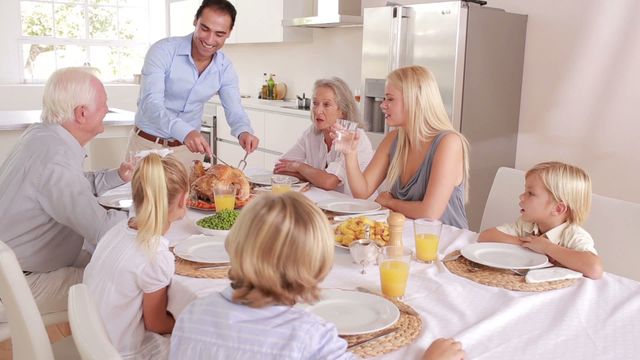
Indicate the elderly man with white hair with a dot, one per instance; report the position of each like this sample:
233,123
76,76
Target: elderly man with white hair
48,203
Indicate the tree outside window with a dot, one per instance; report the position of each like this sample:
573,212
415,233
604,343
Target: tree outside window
110,35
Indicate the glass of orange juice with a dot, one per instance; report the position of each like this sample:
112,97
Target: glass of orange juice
427,235
281,184
394,270
224,196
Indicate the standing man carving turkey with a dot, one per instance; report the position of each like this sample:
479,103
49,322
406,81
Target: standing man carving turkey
179,75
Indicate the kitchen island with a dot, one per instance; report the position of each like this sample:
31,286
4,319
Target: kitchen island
107,150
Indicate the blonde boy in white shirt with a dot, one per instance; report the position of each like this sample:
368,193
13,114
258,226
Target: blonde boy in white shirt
555,202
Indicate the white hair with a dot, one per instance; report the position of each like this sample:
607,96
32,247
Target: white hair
65,90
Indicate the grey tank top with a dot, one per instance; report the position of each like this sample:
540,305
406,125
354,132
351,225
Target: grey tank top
415,188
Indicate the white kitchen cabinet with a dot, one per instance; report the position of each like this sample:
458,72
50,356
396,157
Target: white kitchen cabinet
260,21
277,128
8,140
257,21
283,131
108,149
233,153
224,131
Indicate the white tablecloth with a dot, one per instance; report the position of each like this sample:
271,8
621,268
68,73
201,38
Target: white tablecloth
589,320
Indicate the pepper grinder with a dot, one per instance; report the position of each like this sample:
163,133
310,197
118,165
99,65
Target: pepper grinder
396,225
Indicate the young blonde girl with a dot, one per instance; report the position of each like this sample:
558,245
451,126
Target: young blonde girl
424,160
132,266
555,202
281,248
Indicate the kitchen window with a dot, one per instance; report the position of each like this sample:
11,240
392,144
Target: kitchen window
110,35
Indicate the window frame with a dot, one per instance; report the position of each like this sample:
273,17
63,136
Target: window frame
86,42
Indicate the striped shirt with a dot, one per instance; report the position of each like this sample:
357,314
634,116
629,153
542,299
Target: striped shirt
213,327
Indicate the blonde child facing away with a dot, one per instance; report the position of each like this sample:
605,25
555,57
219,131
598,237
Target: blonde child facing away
555,202
132,266
281,248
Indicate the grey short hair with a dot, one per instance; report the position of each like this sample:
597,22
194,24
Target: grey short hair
344,98
65,90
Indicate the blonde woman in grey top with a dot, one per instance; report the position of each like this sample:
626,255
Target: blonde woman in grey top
424,159
48,202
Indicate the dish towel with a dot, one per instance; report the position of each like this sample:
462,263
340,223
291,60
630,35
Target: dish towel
551,274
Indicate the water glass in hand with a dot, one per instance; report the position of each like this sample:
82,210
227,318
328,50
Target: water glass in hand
345,134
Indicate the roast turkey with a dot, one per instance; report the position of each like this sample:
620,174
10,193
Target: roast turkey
205,180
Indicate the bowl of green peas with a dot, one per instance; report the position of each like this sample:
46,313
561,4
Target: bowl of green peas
217,224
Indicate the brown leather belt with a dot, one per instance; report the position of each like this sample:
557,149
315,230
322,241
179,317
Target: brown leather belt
155,139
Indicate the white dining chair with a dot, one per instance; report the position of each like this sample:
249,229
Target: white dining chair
29,338
47,319
502,203
87,327
615,227
614,224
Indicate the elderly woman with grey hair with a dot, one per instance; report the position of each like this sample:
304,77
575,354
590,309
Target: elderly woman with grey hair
314,158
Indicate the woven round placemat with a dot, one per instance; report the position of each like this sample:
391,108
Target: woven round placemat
501,278
190,268
185,267
407,327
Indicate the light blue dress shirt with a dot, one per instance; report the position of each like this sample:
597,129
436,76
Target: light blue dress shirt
172,94
213,327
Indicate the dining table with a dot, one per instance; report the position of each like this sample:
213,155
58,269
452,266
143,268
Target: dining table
591,319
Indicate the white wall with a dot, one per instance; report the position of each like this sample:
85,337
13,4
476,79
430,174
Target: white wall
581,89
333,52
579,96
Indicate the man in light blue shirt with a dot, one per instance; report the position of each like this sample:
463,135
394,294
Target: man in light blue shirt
179,75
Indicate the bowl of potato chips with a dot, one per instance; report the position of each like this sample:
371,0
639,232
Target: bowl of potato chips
353,229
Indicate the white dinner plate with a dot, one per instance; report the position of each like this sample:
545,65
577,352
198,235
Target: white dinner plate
203,249
354,312
207,231
265,179
116,201
349,206
503,256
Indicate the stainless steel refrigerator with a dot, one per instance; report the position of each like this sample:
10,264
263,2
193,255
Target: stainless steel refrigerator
476,54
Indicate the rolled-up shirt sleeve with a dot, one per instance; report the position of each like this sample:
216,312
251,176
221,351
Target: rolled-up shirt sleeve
152,93
229,93
67,196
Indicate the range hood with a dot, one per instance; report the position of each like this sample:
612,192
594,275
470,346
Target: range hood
330,13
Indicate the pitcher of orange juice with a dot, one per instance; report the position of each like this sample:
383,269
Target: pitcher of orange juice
394,270
427,235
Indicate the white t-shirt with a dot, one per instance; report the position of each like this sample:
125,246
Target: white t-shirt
118,275
312,150
569,236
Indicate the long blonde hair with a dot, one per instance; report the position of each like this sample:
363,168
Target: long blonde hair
157,183
568,184
281,247
426,117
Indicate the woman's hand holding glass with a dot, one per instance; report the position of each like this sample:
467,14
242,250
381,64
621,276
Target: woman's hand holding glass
338,134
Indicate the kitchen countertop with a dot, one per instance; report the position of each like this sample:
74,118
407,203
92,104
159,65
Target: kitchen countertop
21,119
281,106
